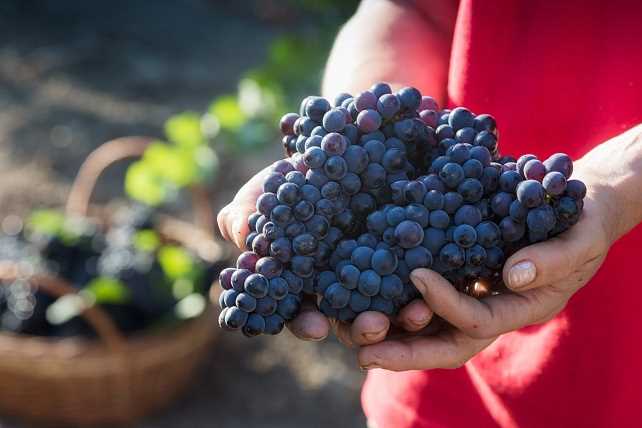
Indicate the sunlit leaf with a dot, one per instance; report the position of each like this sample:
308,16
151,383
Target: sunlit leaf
143,184
228,112
48,222
182,287
184,129
175,261
146,240
207,162
108,290
175,164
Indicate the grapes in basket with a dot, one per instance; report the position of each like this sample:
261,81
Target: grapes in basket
381,183
138,277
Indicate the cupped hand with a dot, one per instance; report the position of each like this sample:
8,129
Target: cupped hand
542,278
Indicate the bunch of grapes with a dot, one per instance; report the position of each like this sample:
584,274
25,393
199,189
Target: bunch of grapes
377,185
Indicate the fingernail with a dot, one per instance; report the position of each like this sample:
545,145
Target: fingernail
371,335
418,282
521,274
421,321
369,366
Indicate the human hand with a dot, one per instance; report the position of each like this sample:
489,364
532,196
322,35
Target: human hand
543,277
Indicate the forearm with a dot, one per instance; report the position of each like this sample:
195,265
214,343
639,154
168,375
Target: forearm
395,42
614,168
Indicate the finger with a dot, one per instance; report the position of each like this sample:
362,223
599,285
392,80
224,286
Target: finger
369,327
448,350
487,317
310,324
232,219
415,316
553,261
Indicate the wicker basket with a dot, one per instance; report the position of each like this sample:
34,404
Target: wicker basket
113,380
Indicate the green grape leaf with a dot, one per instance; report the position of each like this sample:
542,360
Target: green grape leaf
185,130
47,222
143,184
175,261
207,162
108,290
172,163
146,240
182,287
228,112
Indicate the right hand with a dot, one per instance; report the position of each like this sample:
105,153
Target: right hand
368,328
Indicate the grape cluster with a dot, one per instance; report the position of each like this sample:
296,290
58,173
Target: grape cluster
377,185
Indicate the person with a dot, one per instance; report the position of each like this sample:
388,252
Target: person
561,351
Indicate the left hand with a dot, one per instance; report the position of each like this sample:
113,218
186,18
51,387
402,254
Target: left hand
543,277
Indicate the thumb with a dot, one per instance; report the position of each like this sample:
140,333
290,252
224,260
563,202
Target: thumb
547,262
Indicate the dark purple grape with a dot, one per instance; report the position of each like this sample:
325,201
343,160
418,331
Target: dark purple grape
452,174
428,103
245,302
500,202
335,168
337,295
391,287
488,234
471,190
534,170
278,288
374,176
331,190
559,162
409,234
310,193
265,306
376,135
384,262
272,182
380,89
261,244
511,230
294,229
521,162
334,120
487,140
367,240
305,244
283,166
365,100
468,214
452,256
476,256
466,135
554,183
349,276
274,324
418,257
247,260
485,122
239,277
465,235
410,98
256,285
473,169
490,179
461,117
302,266
388,105
287,123
281,249
334,144
314,157
375,150
281,215
351,184
228,298
439,219
452,202
369,283
351,133
316,177
576,189
494,258
368,120
517,211
405,130
235,318
225,278
358,302
419,214
254,326
434,239
266,203
541,219
356,158
316,107
361,257
288,308
530,193
317,226
434,200
303,210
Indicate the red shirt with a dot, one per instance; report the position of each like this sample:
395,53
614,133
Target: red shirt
558,76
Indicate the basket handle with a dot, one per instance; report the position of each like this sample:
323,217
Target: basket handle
99,321
111,152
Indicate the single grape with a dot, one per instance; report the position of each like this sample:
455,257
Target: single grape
465,235
452,256
534,170
530,193
384,262
576,189
365,100
369,283
391,287
511,230
418,257
388,105
235,318
337,295
334,144
269,267
559,162
409,234
334,120
554,183
316,107
349,276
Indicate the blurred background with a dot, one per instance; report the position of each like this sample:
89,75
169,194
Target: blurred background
74,74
